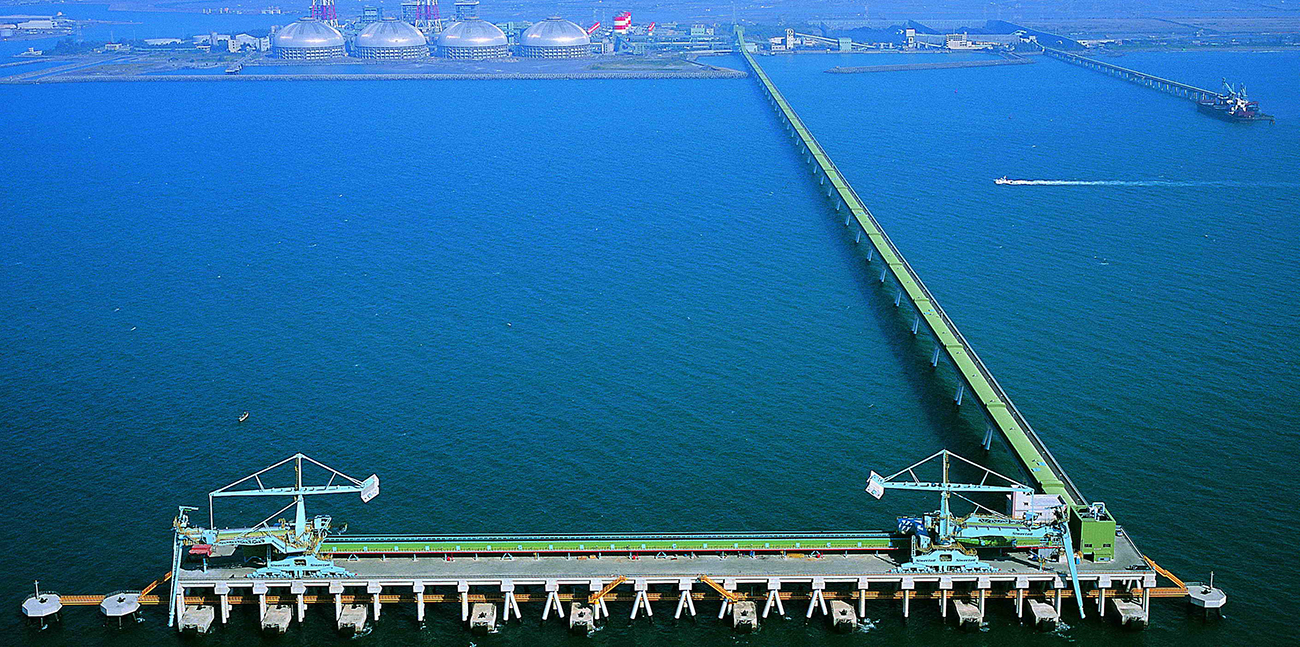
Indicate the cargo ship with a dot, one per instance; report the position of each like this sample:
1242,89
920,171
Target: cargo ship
1233,106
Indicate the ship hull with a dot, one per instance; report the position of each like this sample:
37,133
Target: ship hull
1220,113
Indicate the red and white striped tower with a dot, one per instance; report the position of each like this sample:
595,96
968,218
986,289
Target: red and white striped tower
426,16
622,23
323,10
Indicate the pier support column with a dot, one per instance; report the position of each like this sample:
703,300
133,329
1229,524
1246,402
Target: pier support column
916,323
773,597
684,601
863,583
373,589
336,589
818,600
857,238
552,599
513,603
898,298
961,391
299,589
599,606
988,437
259,589
462,587
223,601
870,251
934,361
1022,583
641,586
908,584
418,588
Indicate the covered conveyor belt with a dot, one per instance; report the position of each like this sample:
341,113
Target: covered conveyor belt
1028,448
626,543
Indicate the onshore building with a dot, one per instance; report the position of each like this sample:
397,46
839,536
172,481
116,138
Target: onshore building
308,39
554,37
390,39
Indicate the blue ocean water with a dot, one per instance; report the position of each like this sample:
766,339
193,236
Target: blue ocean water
592,306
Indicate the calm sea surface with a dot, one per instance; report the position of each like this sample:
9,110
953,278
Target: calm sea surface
621,306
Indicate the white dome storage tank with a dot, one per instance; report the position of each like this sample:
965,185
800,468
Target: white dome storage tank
307,40
390,39
473,39
555,37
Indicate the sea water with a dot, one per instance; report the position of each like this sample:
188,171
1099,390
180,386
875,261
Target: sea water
605,306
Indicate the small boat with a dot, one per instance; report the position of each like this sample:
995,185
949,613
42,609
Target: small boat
1004,180
243,416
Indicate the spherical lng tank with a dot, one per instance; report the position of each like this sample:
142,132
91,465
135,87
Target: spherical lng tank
473,39
390,39
554,37
307,40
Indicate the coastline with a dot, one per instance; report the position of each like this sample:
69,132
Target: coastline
720,73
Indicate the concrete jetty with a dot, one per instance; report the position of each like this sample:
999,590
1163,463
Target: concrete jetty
581,619
842,617
1131,614
197,618
352,618
744,617
276,619
1044,615
483,618
967,613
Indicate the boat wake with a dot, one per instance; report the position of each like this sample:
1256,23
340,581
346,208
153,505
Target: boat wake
1180,183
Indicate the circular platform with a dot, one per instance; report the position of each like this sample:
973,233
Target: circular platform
42,606
118,605
1206,597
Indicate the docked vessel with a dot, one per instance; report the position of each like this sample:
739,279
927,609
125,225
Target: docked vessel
1233,106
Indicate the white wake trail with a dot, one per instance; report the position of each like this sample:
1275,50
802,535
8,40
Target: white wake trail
1180,183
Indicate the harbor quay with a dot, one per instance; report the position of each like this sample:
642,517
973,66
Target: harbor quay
688,584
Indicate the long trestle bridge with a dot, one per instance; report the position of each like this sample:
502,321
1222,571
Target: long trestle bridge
1152,81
